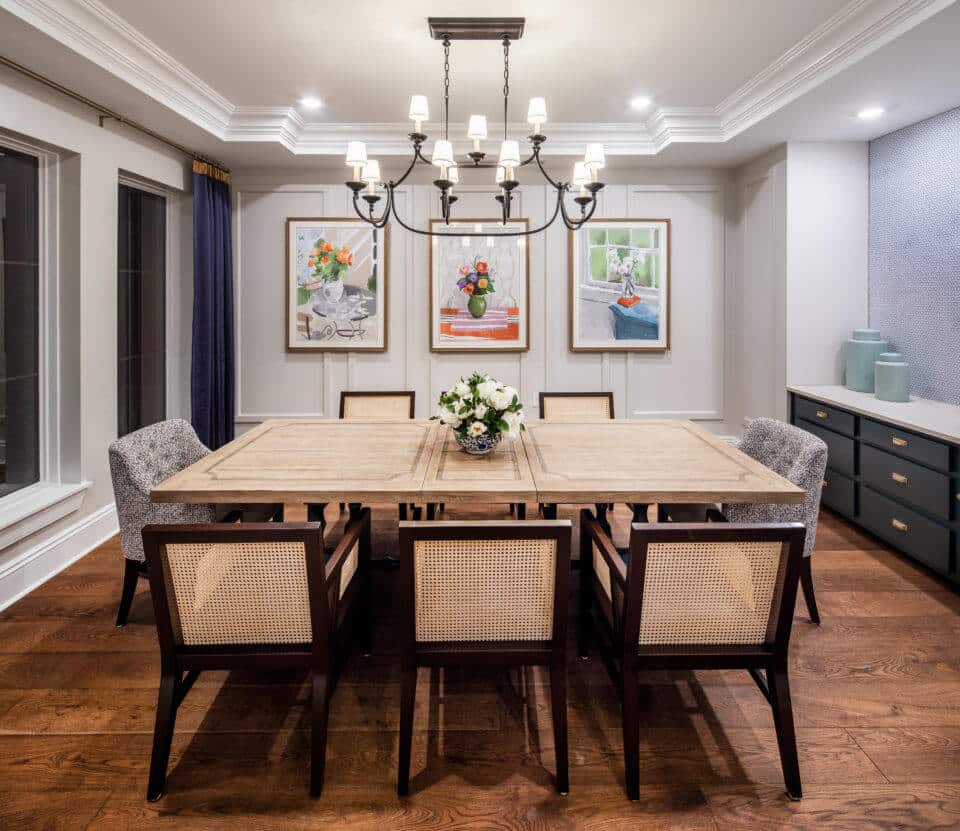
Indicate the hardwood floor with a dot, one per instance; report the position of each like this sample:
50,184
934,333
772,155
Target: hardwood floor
876,694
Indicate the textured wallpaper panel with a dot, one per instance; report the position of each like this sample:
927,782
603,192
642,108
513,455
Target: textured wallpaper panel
915,250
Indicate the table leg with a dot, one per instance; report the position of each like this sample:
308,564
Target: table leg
550,511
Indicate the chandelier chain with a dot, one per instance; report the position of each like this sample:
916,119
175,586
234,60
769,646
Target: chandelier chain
446,88
506,81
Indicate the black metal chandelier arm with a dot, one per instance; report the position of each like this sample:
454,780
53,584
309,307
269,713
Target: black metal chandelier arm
575,224
387,209
527,233
417,156
536,155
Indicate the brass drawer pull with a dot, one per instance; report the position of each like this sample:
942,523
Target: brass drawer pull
898,441
900,526
899,478
822,414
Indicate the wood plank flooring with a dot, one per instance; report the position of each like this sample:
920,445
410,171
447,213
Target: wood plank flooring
876,693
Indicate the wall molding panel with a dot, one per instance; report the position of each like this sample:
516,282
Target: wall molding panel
687,382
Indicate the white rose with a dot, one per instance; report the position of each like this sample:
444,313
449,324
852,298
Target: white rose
486,388
478,428
462,389
514,420
480,410
448,417
500,400
511,392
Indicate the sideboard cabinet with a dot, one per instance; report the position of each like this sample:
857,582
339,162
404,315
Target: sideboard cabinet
892,468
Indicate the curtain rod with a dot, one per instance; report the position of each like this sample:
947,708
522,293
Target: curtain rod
105,112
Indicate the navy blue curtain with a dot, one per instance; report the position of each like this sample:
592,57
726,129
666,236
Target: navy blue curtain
212,369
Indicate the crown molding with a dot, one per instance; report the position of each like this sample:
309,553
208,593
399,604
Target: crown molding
95,32
101,36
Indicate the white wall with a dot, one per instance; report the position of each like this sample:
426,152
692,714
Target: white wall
90,161
687,381
827,240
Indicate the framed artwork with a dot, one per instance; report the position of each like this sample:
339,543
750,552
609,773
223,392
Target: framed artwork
479,289
620,286
336,285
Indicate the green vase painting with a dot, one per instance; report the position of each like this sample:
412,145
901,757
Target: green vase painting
477,305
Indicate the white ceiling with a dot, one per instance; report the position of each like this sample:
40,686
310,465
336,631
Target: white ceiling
729,80
365,59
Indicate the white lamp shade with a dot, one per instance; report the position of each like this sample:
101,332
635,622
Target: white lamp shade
477,129
371,172
453,174
537,111
594,158
442,153
419,109
510,153
580,174
501,174
356,153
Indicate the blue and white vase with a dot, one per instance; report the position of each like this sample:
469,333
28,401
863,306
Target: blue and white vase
479,445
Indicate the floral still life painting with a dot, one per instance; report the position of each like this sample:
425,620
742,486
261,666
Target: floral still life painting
479,288
336,285
481,410
620,286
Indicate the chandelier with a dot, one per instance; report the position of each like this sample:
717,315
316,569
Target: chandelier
367,184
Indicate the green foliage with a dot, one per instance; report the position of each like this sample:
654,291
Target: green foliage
598,236
618,236
303,295
372,284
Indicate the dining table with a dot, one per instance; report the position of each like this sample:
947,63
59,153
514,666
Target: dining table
358,461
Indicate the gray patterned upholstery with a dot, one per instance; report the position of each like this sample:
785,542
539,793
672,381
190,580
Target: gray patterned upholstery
796,455
142,459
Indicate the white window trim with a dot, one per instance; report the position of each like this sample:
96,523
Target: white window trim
32,508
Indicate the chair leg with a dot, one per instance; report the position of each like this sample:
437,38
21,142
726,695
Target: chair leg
318,746
402,510
631,732
131,575
521,510
443,507
584,621
558,703
806,582
431,511
343,507
315,513
602,516
513,507
408,692
779,687
163,735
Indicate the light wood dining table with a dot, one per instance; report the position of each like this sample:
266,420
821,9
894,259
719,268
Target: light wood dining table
417,460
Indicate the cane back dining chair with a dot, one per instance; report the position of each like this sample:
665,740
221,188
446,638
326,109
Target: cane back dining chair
258,596
576,406
484,594
693,596
142,459
797,456
369,404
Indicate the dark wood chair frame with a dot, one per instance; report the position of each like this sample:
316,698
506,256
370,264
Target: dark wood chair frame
617,622
550,511
333,619
551,653
136,570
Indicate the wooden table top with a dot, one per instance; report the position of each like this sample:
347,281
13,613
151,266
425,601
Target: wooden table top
324,460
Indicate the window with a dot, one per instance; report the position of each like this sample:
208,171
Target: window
19,321
618,253
141,319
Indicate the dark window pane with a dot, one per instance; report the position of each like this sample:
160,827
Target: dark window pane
19,321
141,293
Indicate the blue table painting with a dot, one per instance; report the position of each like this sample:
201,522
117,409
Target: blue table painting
639,322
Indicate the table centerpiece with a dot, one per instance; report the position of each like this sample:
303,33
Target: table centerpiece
480,410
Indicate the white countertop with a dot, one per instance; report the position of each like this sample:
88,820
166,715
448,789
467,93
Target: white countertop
932,418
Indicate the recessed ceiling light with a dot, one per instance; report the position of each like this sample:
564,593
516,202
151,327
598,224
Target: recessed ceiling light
641,102
869,113
308,102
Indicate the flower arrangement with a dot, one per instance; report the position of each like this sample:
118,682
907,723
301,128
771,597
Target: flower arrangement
328,262
480,410
476,278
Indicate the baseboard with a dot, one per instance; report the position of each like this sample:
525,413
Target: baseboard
36,565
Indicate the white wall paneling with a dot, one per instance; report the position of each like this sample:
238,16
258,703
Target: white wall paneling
686,382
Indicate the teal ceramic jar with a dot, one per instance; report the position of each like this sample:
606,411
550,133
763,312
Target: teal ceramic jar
863,350
892,377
